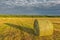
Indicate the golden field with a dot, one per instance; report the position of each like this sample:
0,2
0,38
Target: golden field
49,28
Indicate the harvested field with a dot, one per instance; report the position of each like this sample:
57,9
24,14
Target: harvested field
8,32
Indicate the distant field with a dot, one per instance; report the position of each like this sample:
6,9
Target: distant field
34,16
9,33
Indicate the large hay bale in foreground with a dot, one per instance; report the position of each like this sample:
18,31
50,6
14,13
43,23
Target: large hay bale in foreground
8,32
45,27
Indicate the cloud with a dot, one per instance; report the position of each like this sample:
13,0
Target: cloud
28,4
31,3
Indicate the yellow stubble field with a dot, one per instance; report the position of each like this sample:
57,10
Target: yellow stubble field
49,28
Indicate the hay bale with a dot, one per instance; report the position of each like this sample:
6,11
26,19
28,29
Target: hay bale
45,27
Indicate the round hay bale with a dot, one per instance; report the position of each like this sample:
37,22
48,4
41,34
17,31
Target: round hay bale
45,27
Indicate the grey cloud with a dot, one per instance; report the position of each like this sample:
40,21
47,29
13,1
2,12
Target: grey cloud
31,3
29,6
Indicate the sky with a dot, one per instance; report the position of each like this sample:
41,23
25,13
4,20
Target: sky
30,7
